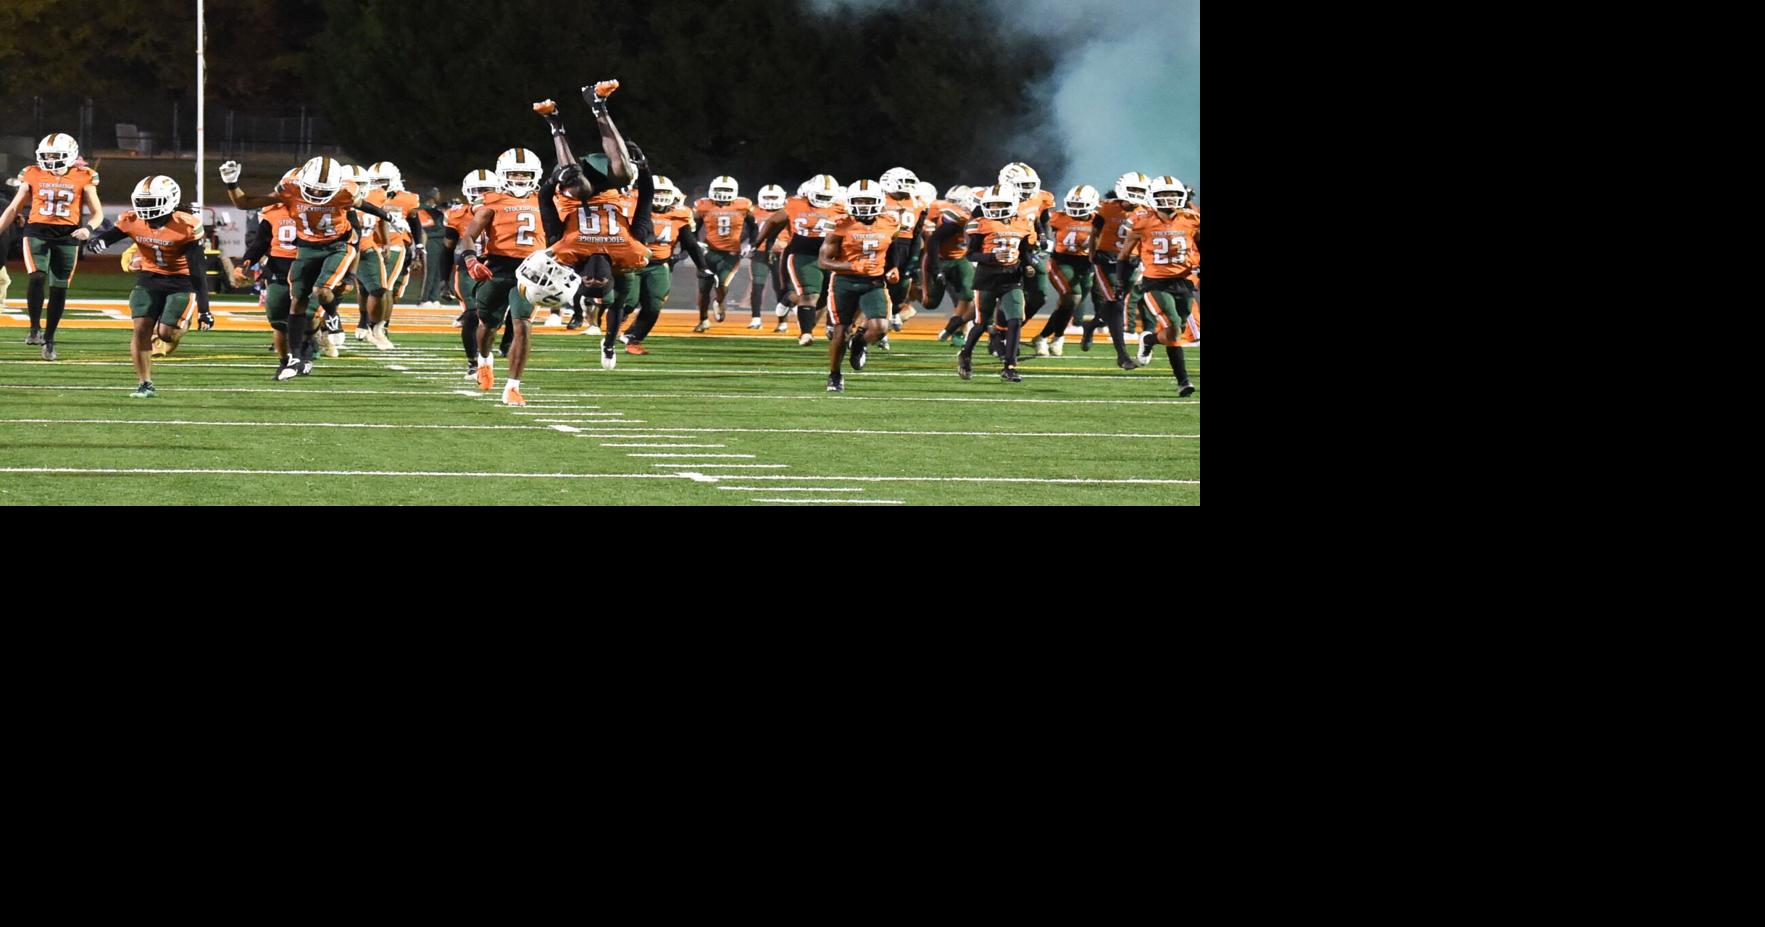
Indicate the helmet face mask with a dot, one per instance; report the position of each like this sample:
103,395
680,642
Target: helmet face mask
724,190
824,191
772,197
1168,194
544,281
1021,179
156,197
57,153
899,181
1081,202
998,203
667,195
864,200
477,184
1132,188
519,171
320,180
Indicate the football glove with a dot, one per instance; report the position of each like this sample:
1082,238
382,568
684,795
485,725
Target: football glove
637,157
230,172
97,246
478,269
205,320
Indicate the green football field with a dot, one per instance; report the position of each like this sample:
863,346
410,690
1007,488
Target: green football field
699,421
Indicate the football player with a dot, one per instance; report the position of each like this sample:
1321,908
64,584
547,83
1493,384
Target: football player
1070,269
1115,219
169,242
472,189
673,228
509,219
760,261
1002,244
726,229
51,196
861,255
1036,205
321,201
947,264
272,241
902,188
1168,240
401,244
810,216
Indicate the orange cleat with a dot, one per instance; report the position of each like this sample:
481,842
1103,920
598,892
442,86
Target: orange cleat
513,397
486,377
546,108
636,349
605,88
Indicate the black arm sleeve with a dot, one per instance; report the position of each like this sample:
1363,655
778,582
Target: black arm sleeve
934,252
372,210
198,262
695,251
109,236
548,212
642,224
416,226
975,243
259,243
749,229
914,240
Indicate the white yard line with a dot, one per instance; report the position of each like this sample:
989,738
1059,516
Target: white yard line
781,488
957,434
686,456
125,421
696,466
662,445
801,501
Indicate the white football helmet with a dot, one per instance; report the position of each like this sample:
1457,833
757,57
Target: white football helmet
1132,188
925,191
519,170
864,199
1022,178
724,190
772,197
667,195
477,184
956,193
999,202
899,181
544,281
1081,201
386,176
823,191
968,198
320,180
155,197
1168,193
56,153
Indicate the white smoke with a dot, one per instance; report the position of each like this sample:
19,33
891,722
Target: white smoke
1126,90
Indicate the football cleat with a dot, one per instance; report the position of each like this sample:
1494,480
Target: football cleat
289,369
593,331
1090,326
513,397
1126,363
546,108
306,368
486,377
755,323
783,328
958,340
703,326
835,384
144,391
609,360
717,309
895,323
1185,390
377,337
1010,375
637,348
361,334
1058,346
1147,341
860,353
944,335
964,367
1041,345
35,337
49,350
557,321
472,373
805,339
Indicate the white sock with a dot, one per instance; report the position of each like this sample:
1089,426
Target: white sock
484,360
514,384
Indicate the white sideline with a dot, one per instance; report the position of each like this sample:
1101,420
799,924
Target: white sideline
127,421
809,396
800,501
662,445
686,456
781,489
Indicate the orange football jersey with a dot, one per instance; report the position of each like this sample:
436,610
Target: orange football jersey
1071,236
811,222
282,231
1004,239
670,226
957,246
322,224
405,205
1118,218
906,213
514,230
866,246
458,217
1168,246
723,222
55,200
162,249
